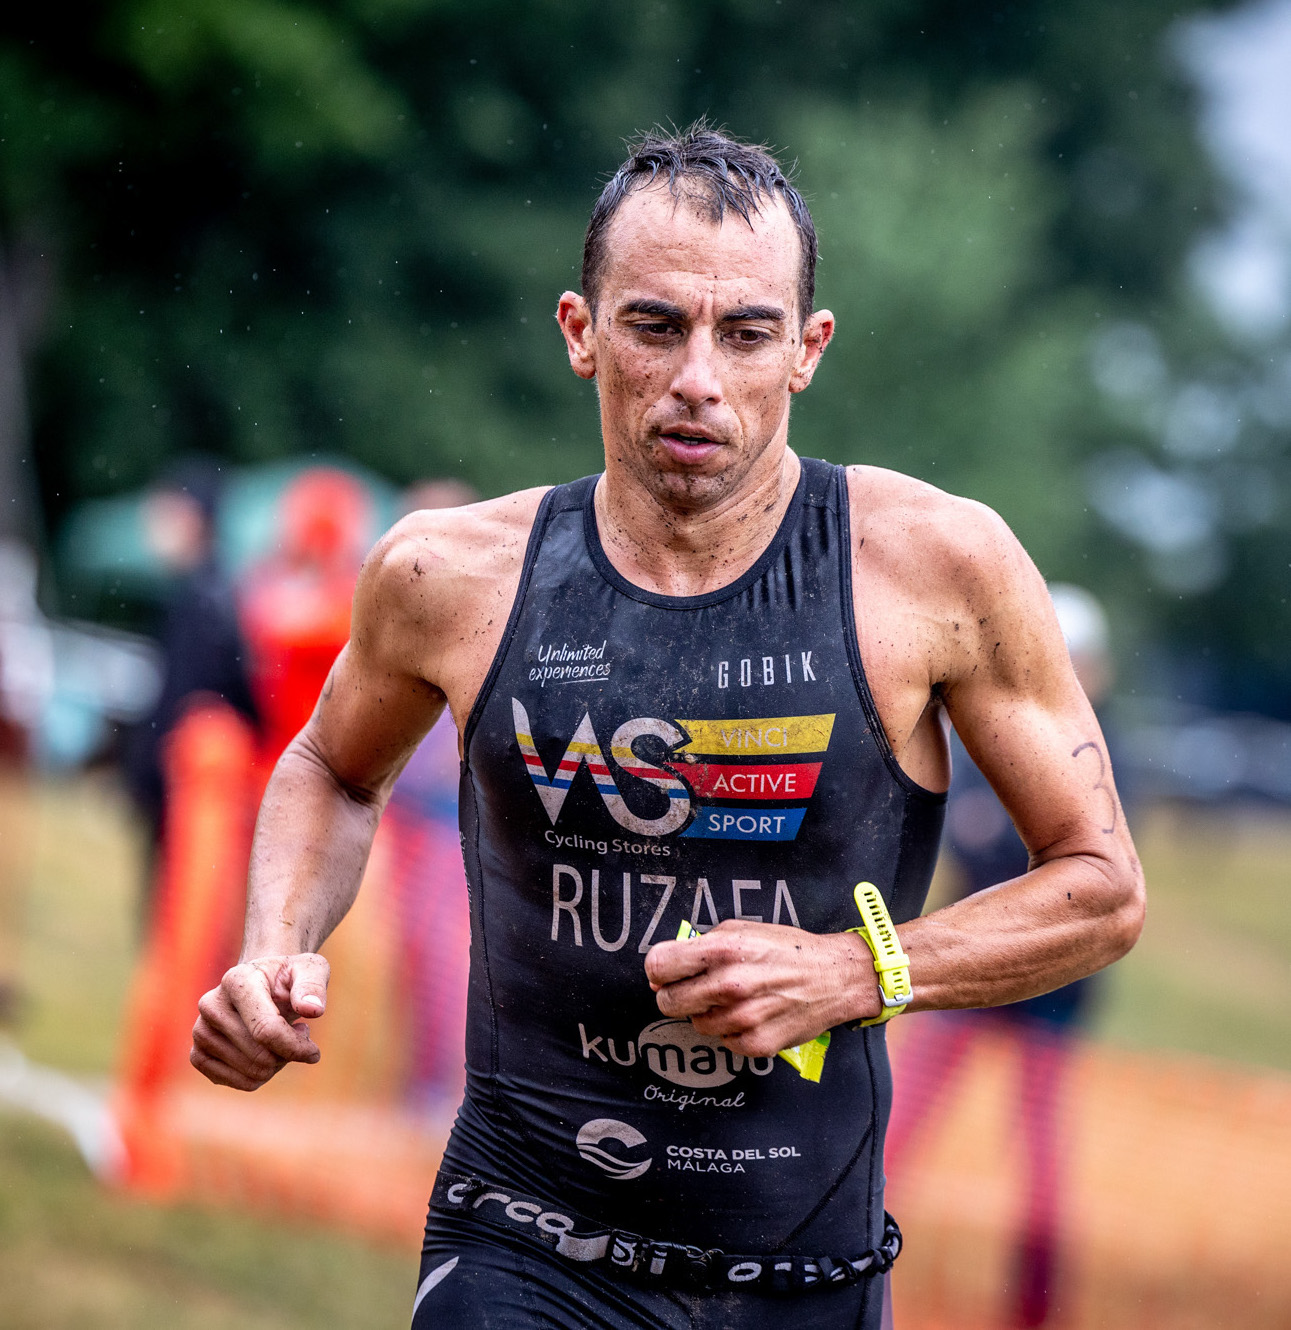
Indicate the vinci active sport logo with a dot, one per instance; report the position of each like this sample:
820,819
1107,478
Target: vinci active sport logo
731,774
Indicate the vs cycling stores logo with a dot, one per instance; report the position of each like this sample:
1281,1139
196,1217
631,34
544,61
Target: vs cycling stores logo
741,779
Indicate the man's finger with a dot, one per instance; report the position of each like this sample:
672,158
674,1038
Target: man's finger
219,1018
667,962
741,1018
686,997
247,1057
220,1072
248,989
724,985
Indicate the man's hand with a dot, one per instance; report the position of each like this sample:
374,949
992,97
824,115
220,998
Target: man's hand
250,1027
764,987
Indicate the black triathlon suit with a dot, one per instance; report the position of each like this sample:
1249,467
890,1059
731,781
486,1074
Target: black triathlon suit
635,760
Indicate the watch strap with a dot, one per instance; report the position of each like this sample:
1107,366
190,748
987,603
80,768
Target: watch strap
890,962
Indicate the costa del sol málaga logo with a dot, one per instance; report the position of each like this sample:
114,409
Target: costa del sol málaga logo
592,1134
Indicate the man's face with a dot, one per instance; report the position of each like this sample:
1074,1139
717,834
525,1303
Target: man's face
696,346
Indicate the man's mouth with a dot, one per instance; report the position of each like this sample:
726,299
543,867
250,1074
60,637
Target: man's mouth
686,438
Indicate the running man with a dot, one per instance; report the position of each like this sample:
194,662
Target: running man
710,686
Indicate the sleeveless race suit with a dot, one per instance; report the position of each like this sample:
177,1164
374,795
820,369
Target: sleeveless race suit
635,760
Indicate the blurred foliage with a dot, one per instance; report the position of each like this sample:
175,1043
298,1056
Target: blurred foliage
341,227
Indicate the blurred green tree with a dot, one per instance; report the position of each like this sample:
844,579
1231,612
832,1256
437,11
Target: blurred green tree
282,228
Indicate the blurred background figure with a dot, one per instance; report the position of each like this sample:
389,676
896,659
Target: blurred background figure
26,656
274,631
985,850
64,687
202,651
25,671
295,603
445,493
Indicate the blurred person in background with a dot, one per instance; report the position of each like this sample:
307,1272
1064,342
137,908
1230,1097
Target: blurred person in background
203,652
578,625
446,492
26,676
294,605
985,849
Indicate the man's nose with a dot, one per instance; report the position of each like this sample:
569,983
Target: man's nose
698,380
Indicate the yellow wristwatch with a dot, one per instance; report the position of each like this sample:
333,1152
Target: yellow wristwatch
891,963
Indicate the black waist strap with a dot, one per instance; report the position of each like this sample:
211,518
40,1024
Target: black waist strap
662,1264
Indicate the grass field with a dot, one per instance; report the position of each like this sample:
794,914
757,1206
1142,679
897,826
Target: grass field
1219,923
72,1254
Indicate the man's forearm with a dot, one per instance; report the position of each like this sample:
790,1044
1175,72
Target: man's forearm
312,840
1062,921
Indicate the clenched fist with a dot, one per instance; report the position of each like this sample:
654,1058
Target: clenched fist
251,1025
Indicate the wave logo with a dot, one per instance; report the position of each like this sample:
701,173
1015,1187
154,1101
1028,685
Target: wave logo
590,1136
735,773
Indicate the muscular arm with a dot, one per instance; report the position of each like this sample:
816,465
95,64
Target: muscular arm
430,605
326,795
1013,697
957,623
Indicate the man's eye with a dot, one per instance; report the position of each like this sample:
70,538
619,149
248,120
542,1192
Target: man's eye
750,336
656,329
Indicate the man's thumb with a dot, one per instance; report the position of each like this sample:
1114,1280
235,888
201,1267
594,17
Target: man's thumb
309,978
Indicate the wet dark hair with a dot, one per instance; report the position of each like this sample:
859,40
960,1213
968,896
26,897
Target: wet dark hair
709,170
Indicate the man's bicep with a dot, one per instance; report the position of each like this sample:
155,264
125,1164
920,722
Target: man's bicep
1046,758
377,704
370,718
1014,699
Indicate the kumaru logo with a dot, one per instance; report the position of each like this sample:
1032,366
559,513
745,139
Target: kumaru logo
731,773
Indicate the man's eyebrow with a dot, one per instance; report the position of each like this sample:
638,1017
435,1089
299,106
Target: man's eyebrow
663,309
658,308
766,313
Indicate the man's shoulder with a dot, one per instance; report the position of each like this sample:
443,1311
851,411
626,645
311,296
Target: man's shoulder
477,538
910,518
950,567
436,562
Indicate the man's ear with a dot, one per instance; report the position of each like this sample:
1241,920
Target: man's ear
575,319
816,335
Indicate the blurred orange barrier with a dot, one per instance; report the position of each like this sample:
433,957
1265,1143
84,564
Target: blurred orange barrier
192,936
355,1140
1178,1187
365,1168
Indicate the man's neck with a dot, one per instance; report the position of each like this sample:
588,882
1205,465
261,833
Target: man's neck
685,550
